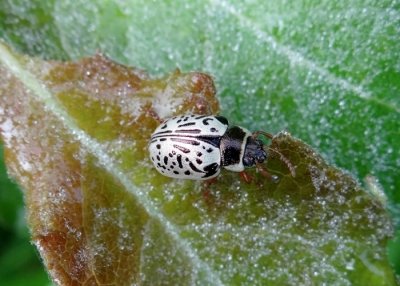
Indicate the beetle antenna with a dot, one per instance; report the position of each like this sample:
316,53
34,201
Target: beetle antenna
266,134
284,160
265,173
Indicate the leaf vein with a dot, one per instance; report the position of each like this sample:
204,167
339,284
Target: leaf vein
296,58
42,94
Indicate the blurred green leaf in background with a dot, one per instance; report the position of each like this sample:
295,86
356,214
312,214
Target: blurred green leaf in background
19,260
327,71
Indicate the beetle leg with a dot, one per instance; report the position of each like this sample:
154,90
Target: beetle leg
246,177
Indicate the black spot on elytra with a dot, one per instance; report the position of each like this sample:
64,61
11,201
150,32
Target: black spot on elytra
222,119
210,170
199,161
158,146
193,167
179,121
152,158
187,172
163,139
209,150
186,119
174,163
172,167
173,153
176,172
213,129
179,159
205,121
163,132
199,154
186,141
165,160
189,131
187,124
170,155
187,159
181,148
164,126
211,140
159,165
158,158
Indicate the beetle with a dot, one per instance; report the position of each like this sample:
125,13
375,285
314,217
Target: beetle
197,146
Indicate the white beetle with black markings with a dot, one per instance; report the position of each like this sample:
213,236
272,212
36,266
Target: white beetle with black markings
197,146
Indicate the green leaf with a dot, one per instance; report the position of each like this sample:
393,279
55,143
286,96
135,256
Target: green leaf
326,71
10,198
76,136
26,25
18,258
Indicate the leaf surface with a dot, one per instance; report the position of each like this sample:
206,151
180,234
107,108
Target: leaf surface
328,71
76,137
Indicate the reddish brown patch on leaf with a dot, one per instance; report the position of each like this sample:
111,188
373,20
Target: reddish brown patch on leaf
96,75
78,214
56,247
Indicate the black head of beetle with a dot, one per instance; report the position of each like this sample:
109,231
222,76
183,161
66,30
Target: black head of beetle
240,149
254,152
